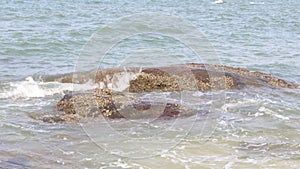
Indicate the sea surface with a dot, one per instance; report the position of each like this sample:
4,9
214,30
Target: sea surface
247,128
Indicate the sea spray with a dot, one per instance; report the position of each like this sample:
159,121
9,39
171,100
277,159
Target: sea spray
30,88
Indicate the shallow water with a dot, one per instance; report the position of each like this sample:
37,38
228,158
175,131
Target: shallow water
248,128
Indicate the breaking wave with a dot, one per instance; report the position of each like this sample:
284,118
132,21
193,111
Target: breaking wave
30,88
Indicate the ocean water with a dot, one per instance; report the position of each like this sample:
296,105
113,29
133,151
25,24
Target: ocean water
248,128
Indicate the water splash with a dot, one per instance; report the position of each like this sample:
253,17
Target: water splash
29,88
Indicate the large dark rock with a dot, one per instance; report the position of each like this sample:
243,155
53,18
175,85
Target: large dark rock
109,103
202,77
101,103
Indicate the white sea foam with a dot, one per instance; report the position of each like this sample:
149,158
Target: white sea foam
256,3
218,2
120,81
273,113
121,164
31,88
246,102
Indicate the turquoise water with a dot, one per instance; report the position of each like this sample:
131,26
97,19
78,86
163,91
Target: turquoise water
250,128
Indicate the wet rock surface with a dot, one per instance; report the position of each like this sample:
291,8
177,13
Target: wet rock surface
192,76
103,103
108,103
202,77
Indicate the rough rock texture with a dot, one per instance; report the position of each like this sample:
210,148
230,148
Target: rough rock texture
203,78
248,77
180,77
105,102
102,103
166,79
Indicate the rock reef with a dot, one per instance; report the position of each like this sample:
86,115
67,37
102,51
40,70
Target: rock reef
190,76
103,103
109,100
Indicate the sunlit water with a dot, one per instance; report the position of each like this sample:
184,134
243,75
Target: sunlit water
248,128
